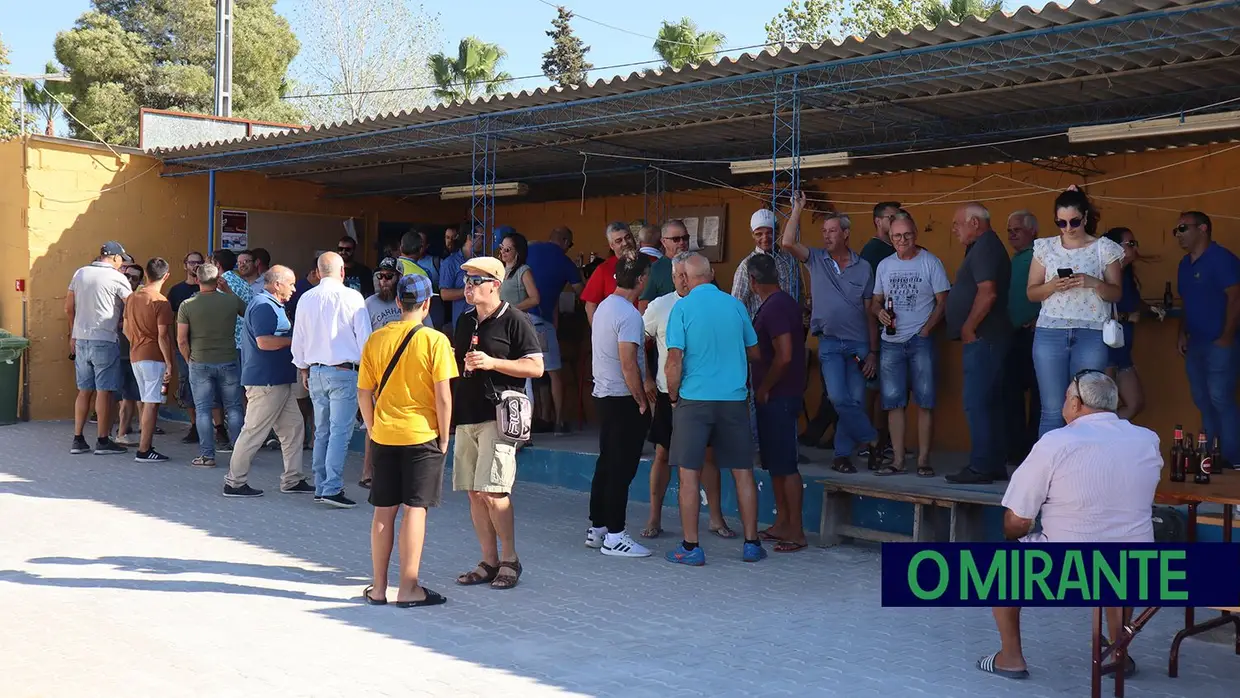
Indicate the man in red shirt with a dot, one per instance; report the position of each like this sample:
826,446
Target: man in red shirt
602,282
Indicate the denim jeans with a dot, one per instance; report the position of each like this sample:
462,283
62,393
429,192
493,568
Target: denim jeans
206,382
907,367
97,366
334,394
1057,356
983,400
846,390
1212,380
1022,415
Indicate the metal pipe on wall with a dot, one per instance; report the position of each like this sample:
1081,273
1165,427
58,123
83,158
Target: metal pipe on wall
211,211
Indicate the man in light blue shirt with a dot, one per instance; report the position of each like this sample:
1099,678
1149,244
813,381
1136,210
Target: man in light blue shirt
452,279
710,342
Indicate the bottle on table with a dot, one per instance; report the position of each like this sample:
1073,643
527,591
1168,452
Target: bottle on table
1216,458
1187,461
1168,298
1204,464
473,346
891,310
1177,454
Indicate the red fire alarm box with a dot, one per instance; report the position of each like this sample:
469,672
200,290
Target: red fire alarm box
21,285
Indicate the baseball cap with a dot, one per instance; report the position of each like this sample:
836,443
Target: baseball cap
388,264
414,288
486,266
503,230
112,249
762,218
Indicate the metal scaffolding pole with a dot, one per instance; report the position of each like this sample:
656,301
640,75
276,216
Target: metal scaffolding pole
786,153
223,57
654,196
482,184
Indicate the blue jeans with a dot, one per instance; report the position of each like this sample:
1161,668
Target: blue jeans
983,402
96,365
905,367
206,382
334,394
845,387
1058,355
1212,380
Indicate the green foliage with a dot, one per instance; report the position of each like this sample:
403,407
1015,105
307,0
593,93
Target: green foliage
471,74
565,62
815,21
960,10
680,43
10,124
805,21
46,100
127,54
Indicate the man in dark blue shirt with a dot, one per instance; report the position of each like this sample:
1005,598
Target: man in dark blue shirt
1209,283
552,270
268,374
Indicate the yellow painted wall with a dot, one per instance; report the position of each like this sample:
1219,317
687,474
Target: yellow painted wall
81,195
14,252
1156,186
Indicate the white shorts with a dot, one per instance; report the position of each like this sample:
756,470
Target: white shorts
150,375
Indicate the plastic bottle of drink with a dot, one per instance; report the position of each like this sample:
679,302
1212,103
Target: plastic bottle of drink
1204,463
1177,454
473,346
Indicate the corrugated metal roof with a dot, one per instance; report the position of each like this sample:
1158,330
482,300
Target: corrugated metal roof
1013,73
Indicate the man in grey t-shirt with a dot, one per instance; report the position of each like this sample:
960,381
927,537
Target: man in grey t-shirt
94,304
914,283
617,337
841,284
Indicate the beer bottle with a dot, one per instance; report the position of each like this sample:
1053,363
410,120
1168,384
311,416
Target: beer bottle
891,310
1177,449
1168,298
473,346
1204,463
1188,464
1216,458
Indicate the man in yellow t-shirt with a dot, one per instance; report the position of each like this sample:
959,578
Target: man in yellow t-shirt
407,418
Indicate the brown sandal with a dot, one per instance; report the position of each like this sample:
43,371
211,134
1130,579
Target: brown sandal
507,581
472,578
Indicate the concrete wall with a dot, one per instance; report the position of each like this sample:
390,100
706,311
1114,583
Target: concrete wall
14,251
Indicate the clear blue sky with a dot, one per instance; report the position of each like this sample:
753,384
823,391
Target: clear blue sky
517,25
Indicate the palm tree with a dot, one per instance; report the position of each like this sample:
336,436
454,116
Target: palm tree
471,74
681,44
42,104
958,11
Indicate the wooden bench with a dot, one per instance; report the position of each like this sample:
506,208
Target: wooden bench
966,504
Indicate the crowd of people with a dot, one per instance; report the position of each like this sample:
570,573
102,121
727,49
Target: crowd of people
426,347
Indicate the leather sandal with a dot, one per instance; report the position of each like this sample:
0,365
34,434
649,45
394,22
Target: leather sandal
507,581
472,578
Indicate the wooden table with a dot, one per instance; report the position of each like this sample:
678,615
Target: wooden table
1223,489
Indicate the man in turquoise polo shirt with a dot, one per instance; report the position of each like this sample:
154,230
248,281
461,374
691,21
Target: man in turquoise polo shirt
710,342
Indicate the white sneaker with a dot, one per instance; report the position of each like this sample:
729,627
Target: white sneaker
594,537
623,545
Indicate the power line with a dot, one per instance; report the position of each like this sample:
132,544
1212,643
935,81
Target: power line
613,27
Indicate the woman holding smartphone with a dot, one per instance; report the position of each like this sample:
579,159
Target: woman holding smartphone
1076,277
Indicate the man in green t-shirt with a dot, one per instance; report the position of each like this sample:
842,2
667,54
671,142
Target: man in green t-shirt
205,326
1020,416
675,240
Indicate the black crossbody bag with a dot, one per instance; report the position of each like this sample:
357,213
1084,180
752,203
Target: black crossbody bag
400,351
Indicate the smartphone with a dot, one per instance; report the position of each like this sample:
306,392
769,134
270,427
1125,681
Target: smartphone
1064,273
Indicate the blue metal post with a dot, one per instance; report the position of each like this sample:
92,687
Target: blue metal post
211,211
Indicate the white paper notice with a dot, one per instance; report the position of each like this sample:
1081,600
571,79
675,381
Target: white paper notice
710,231
691,225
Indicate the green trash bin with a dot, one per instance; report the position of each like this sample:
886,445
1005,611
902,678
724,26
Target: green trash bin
11,349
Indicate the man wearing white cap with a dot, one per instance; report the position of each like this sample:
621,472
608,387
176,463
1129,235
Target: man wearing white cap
762,225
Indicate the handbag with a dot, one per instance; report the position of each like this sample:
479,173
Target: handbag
514,416
1112,331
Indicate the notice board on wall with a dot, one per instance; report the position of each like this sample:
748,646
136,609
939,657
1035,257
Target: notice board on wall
293,239
707,226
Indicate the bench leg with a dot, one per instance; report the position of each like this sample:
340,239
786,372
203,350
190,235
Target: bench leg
923,523
836,513
966,523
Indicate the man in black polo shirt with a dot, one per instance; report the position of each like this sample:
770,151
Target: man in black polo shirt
483,464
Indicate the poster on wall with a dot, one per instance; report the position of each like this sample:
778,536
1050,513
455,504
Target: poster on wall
234,230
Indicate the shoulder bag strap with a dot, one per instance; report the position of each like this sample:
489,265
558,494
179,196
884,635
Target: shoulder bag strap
400,350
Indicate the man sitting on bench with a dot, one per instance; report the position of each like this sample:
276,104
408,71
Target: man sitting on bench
1093,482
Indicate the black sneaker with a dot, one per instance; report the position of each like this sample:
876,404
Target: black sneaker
242,491
223,447
562,429
108,447
79,446
339,501
191,437
151,456
273,444
302,487
159,431
92,419
221,433
969,477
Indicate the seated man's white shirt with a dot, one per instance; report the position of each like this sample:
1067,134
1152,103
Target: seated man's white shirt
1093,481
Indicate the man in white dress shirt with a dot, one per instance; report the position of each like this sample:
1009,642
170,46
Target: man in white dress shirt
331,329
1093,482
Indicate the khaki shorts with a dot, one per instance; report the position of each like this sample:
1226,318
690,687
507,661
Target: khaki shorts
481,462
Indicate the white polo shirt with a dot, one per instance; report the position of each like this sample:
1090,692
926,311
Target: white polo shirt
1093,481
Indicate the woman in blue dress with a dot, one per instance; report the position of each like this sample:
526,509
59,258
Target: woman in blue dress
1128,311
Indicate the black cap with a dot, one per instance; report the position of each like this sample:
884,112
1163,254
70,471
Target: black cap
112,249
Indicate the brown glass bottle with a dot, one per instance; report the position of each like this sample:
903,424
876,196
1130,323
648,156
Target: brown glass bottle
473,346
1201,475
891,310
1175,460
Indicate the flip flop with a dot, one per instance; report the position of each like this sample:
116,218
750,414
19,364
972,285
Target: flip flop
371,600
766,535
987,664
651,532
432,599
925,471
364,483
724,532
887,470
788,546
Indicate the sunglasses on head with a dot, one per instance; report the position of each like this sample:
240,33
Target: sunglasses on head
1074,223
1076,379
678,238
478,280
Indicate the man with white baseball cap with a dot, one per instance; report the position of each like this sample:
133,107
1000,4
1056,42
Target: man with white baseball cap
762,225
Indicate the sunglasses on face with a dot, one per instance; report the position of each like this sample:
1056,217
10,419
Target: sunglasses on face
387,276
478,280
677,239
1074,223
343,248
1180,229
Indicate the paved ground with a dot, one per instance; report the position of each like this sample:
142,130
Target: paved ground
124,579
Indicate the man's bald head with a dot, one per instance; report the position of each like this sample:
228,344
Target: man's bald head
280,282
563,237
698,270
331,265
